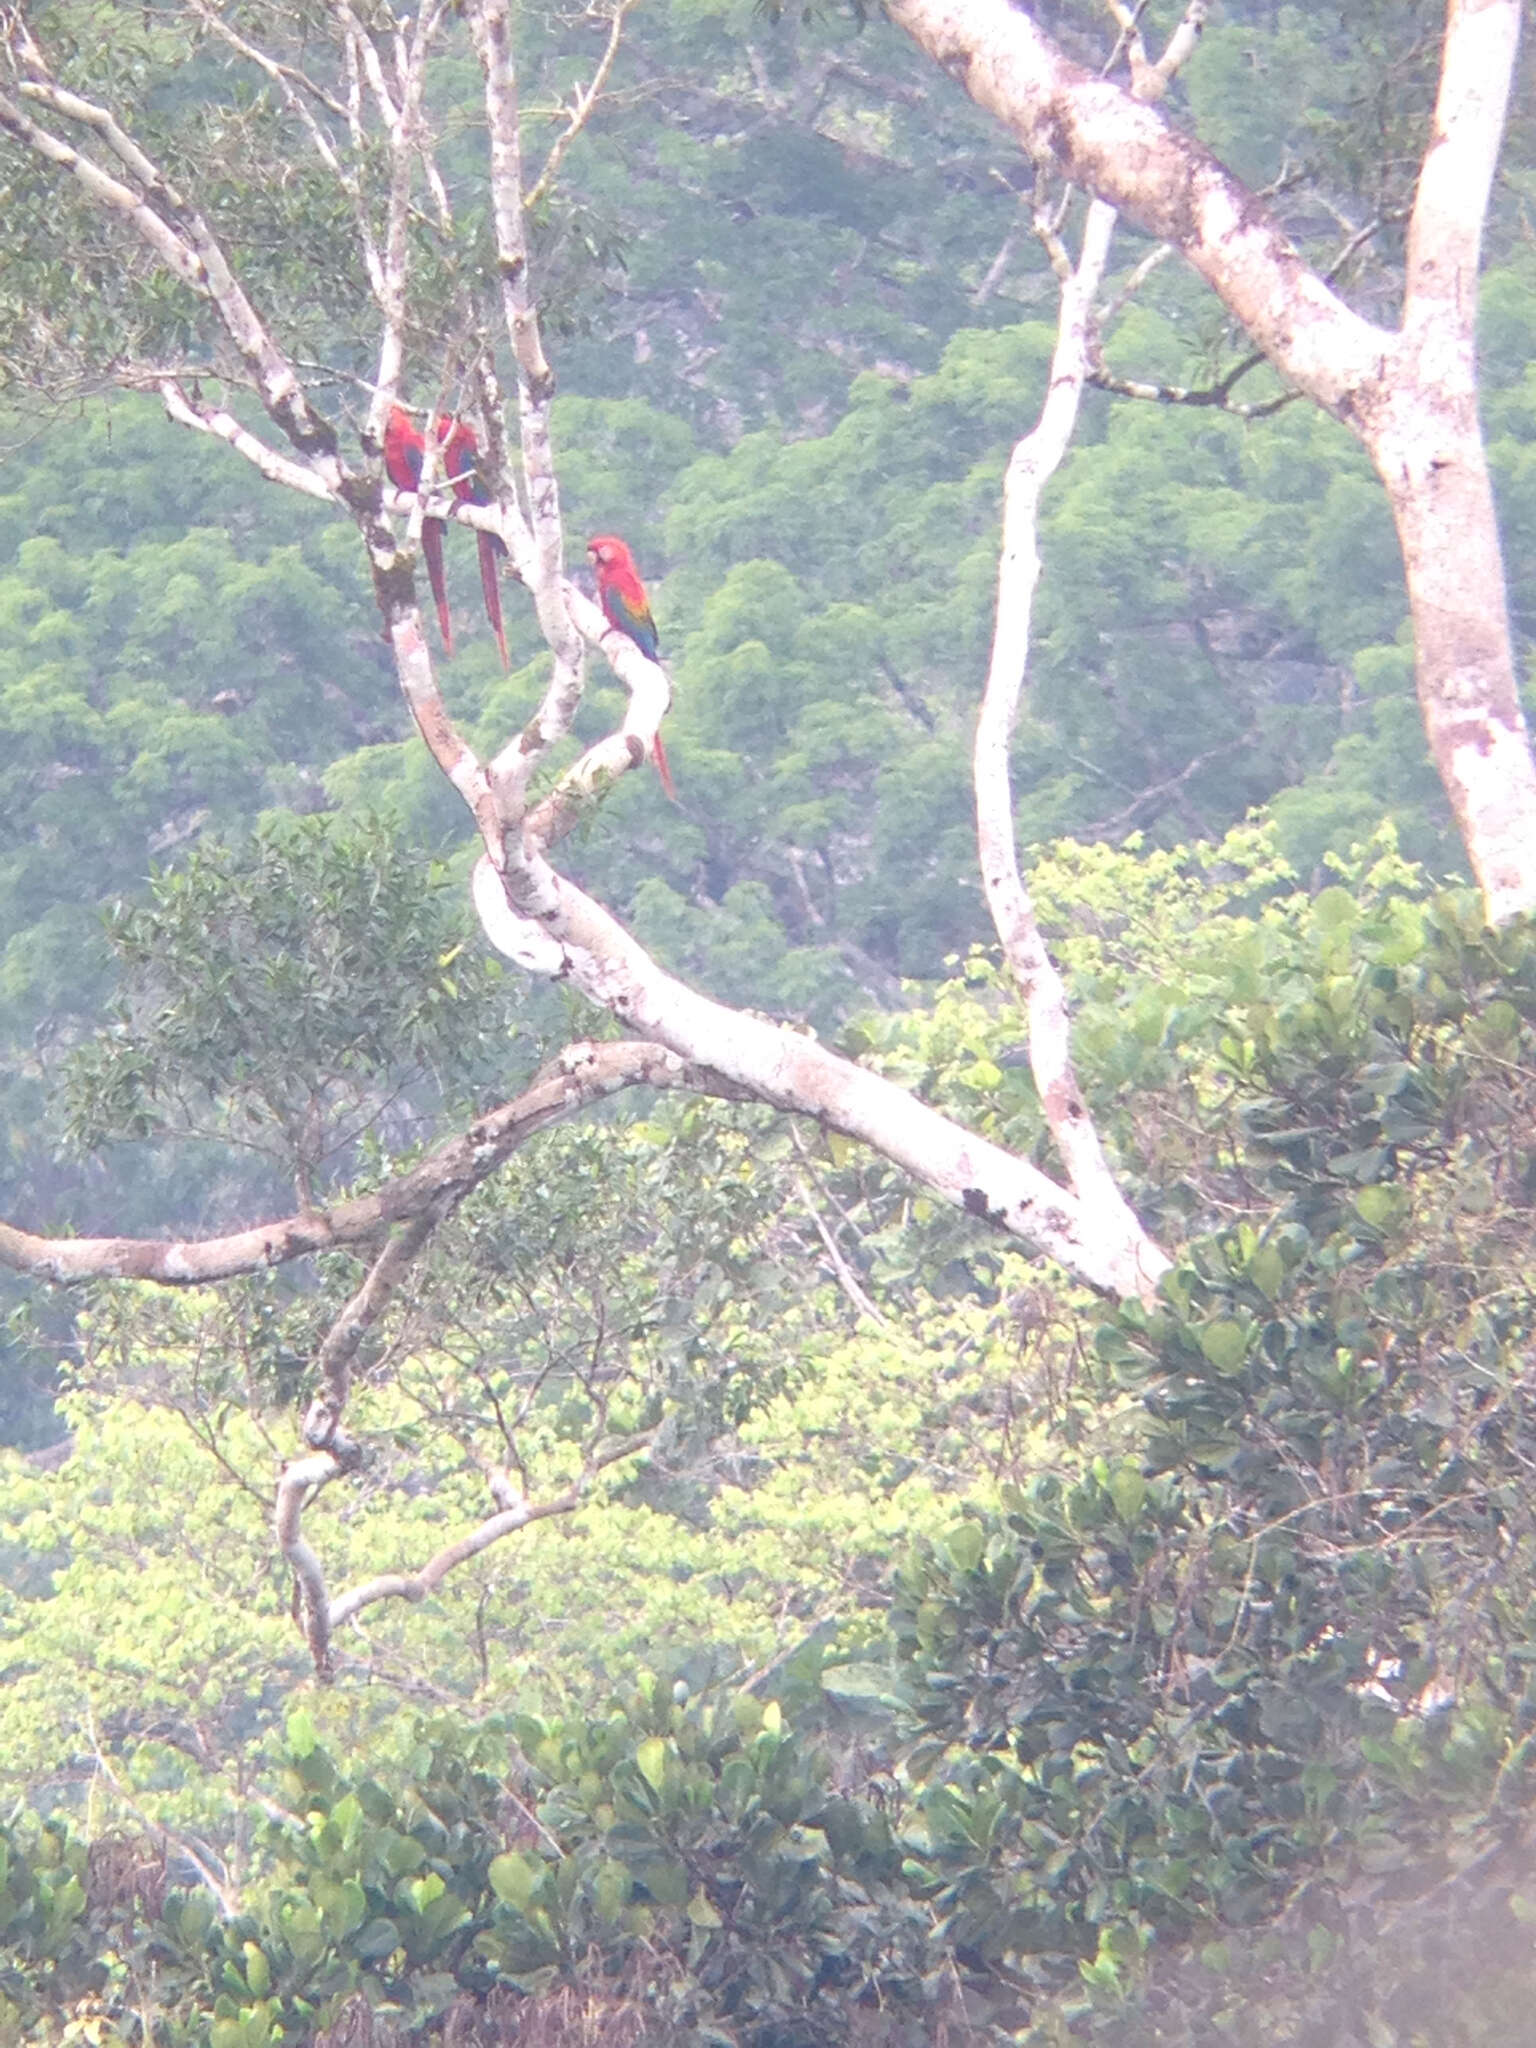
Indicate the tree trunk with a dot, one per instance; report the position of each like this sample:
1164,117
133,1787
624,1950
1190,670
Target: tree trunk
1429,452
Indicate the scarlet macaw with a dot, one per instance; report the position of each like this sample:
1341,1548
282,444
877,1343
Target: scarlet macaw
625,605
461,452
405,454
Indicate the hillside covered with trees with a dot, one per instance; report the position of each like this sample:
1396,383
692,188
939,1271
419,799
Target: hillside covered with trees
890,1403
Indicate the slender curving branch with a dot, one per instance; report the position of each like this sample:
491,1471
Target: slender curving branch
189,410
847,1279
296,87
519,1514
301,1477
321,1616
106,191
402,119
1034,461
202,1858
580,112
584,1073
1217,396
332,1452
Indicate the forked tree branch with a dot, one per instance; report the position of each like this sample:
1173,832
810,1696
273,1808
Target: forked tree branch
1215,397
1097,136
508,1520
322,1615
297,89
1149,80
332,1454
180,237
406,144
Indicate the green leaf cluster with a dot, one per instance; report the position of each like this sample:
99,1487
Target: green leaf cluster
286,995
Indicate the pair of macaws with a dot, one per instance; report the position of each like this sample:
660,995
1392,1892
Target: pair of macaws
405,455
620,590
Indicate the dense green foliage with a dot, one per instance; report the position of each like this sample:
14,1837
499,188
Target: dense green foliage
1241,1645
288,1000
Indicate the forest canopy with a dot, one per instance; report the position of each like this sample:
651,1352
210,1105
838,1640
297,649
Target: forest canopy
890,1401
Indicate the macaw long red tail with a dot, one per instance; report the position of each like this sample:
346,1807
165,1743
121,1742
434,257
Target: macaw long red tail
490,587
432,548
659,756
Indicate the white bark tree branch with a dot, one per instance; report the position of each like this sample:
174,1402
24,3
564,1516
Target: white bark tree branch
332,1455
559,932
219,422
1408,395
1149,80
181,239
1034,461
1095,135
322,1615
296,87
507,1521
1425,437
544,571
402,120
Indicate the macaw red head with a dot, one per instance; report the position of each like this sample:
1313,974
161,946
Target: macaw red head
609,552
401,429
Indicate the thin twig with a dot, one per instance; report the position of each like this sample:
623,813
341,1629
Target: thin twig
847,1279
202,1859
580,112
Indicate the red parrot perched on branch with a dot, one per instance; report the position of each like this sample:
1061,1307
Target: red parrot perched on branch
405,455
461,453
625,605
